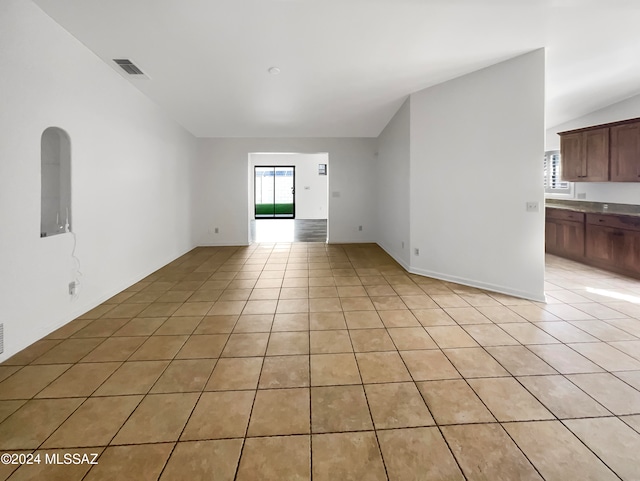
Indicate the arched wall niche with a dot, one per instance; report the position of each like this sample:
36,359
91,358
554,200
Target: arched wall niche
55,191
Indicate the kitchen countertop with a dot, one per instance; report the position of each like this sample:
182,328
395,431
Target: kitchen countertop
594,207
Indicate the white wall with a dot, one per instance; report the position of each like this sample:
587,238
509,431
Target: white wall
476,144
392,186
310,187
131,175
224,180
615,192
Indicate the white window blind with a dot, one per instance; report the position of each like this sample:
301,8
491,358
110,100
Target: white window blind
553,174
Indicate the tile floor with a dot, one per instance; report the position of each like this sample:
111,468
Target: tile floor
299,361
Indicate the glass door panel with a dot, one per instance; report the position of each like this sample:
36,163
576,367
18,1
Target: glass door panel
274,193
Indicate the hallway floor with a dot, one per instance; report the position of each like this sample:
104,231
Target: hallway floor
330,362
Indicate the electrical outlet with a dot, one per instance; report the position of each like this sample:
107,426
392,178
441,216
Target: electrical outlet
532,207
582,195
359,227
216,230
403,244
416,251
72,288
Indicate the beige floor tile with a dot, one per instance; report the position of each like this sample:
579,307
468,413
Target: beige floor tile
520,361
397,405
428,365
604,331
630,377
433,317
607,357
490,335
290,322
185,376
101,328
411,338
6,371
339,409
352,291
284,343
7,408
565,332
235,374
508,400
114,349
69,351
246,345
467,315
326,342
203,346
219,415
280,411
377,290
157,309
256,294
421,301
382,367
356,304
449,300
124,310
562,397
632,348
398,318
328,290
80,380
275,459
388,303
30,380
451,337
142,462
347,456
612,441
260,307
158,348
500,314
554,450
564,359
30,425
216,459
485,452
140,326
328,304
94,423
363,320
294,293
418,453
475,362
633,421
454,402
369,340
193,309
533,313
176,326
528,333
284,371
158,418
132,378
227,308
290,306
334,369
319,321
31,353
615,395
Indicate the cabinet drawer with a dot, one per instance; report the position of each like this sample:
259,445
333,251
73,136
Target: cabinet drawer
563,214
615,221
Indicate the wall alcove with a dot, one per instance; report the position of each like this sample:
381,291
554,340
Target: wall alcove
55,191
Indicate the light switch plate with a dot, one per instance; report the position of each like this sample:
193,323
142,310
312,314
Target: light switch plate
532,207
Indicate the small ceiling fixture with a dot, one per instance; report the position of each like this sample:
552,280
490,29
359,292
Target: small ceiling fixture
274,70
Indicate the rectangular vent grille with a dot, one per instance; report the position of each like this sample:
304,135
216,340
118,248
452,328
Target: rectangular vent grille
128,66
1,338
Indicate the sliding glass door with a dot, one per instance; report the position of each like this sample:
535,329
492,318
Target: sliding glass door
274,193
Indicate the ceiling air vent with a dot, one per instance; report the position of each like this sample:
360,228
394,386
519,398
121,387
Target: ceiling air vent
128,66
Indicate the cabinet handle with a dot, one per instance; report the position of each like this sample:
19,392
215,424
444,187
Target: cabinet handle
600,220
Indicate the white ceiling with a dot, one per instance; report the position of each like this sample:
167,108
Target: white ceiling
347,65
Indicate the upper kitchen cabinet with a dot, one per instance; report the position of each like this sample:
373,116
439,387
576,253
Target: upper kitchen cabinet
625,153
602,153
585,155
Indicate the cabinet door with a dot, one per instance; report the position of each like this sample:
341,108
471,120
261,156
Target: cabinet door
571,157
570,238
596,155
626,249
625,153
599,244
550,236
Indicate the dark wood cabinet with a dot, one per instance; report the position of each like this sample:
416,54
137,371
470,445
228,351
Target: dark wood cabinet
625,153
613,242
602,153
585,156
564,233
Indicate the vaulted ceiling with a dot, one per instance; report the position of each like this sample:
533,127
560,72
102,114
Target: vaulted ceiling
347,65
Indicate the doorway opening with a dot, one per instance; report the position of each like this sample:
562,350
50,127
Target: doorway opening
275,192
288,197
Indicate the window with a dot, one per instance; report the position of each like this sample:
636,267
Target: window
553,174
